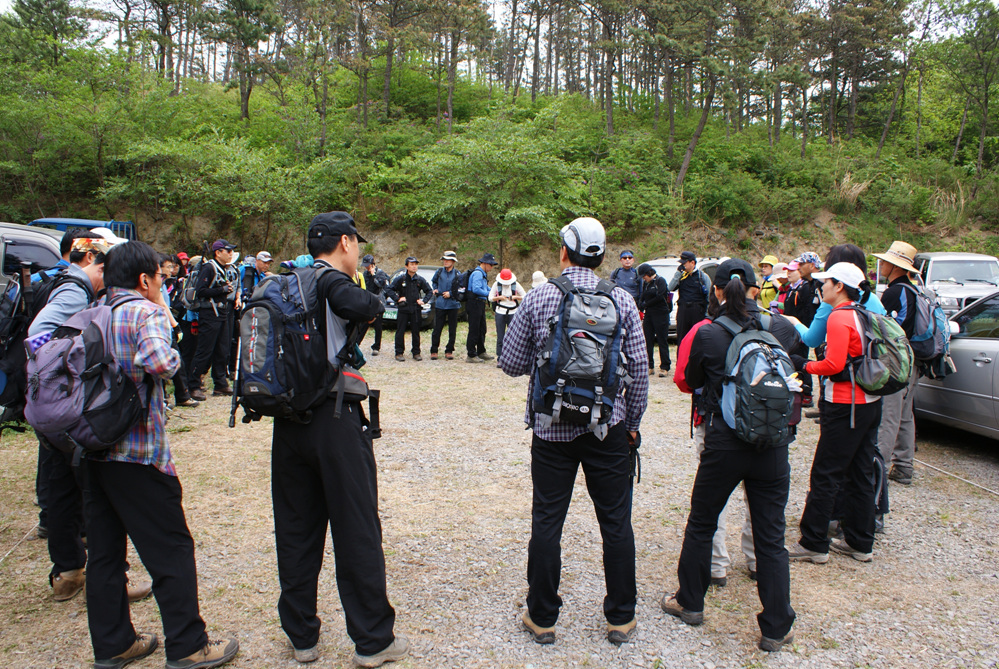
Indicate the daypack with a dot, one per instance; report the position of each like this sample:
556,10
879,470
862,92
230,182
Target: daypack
189,299
460,287
19,305
757,397
79,399
885,365
580,369
931,332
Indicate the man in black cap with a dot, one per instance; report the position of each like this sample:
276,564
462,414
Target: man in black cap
692,286
656,301
410,290
323,475
376,281
214,333
478,293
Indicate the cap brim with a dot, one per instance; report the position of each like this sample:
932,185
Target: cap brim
361,239
897,262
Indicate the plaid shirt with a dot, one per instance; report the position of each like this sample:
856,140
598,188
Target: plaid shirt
140,341
529,331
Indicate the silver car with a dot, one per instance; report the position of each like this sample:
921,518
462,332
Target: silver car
966,399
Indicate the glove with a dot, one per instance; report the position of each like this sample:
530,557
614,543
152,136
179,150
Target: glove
799,362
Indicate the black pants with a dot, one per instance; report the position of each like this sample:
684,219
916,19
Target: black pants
233,340
188,347
127,500
323,475
766,476
843,457
442,316
502,322
656,328
688,314
65,513
476,342
180,392
42,484
408,320
607,467
377,327
213,348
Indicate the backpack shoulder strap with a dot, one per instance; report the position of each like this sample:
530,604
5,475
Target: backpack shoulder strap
729,324
605,286
564,283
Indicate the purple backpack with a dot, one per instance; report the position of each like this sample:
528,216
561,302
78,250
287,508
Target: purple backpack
79,399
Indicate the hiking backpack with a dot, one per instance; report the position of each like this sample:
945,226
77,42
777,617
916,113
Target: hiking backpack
580,369
757,399
460,287
79,399
931,331
886,363
189,298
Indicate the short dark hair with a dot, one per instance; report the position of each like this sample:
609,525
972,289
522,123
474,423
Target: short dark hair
127,262
66,244
166,257
592,262
321,246
850,253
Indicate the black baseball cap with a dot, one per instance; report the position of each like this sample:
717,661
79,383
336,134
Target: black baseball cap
645,269
735,267
412,259
333,224
687,256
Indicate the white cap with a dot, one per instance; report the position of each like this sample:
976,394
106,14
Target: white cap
108,236
585,236
845,272
264,256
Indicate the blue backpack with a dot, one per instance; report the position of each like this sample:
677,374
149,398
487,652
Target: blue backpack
756,401
931,332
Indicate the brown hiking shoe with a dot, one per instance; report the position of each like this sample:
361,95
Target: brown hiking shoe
198,394
396,650
139,590
433,356
145,643
449,356
214,654
618,634
542,635
68,584
669,605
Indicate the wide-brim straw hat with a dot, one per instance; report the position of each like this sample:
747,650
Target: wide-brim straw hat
901,255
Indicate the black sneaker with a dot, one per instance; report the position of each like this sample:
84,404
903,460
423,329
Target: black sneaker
719,581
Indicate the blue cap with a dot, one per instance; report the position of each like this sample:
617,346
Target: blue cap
627,254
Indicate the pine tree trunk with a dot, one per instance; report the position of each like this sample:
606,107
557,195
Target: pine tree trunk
891,112
705,112
960,133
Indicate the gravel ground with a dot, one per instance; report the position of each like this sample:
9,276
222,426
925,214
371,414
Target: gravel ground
455,503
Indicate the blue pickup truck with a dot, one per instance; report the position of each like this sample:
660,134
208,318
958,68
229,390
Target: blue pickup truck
124,229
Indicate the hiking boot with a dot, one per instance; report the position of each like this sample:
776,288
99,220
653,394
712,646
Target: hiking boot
813,413
879,524
798,553
214,654
752,574
652,371
400,358
719,581
806,402
374,351
843,548
433,356
307,654
144,644
417,357
541,635
486,357
198,394
138,591
68,584
449,356
618,634
774,645
472,358
189,402
669,605
220,391
41,532
396,650
663,373
898,476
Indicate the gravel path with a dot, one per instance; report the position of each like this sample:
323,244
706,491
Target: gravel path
455,501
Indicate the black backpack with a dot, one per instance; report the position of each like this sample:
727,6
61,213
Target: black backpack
460,286
19,305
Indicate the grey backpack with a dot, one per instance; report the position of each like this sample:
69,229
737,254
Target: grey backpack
79,399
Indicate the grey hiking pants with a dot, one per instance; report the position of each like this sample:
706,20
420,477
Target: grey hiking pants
897,432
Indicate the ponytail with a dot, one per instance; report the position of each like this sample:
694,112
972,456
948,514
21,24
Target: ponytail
865,291
735,299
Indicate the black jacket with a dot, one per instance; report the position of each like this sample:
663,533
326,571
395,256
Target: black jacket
345,298
706,370
212,285
655,297
377,282
413,289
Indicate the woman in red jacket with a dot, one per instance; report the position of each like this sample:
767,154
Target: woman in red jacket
844,455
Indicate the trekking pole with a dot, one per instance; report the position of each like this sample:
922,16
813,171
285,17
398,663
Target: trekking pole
235,384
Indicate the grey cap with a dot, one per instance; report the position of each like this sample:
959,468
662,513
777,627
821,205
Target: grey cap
585,236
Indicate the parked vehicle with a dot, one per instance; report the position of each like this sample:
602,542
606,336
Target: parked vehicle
969,398
665,267
21,243
124,229
956,279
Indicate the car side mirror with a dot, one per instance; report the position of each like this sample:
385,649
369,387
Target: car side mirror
955,328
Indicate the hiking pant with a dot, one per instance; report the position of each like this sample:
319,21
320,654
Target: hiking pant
323,476
766,477
233,340
213,348
127,500
377,327
502,321
65,513
442,316
408,320
656,328
42,476
607,468
897,432
688,314
844,456
188,347
180,392
476,342
720,560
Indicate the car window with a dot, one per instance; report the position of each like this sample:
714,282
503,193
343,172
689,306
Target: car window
710,271
981,321
17,251
965,271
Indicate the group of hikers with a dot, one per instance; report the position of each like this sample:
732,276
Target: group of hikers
748,342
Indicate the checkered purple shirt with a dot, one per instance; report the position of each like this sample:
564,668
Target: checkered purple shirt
528,333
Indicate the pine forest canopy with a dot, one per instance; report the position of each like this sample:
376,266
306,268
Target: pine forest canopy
507,119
